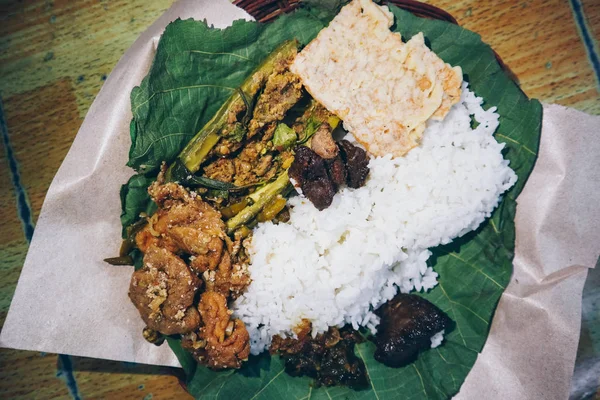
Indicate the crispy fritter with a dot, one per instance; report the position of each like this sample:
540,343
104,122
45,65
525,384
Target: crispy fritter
221,342
184,224
163,291
229,279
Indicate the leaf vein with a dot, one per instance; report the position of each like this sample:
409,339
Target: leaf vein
220,53
494,226
368,373
177,89
475,268
159,139
211,382
268,383
517,142
453,313
421,379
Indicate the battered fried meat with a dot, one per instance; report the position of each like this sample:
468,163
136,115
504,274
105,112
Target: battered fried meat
185,225
221,342
229,279
163,291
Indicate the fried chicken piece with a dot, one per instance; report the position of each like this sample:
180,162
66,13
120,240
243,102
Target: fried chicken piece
229,279
163,291
184,224
221,342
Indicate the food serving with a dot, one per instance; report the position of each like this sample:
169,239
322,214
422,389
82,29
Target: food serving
302,217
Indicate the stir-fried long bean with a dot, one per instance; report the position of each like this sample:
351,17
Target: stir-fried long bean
197,149
269,192
260,199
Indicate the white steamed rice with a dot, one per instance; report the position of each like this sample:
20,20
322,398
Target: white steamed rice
336,266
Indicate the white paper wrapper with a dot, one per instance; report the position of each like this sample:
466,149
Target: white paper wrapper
69,301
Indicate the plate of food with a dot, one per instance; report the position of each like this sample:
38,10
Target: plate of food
323,205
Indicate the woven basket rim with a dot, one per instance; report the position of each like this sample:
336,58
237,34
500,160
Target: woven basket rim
268,10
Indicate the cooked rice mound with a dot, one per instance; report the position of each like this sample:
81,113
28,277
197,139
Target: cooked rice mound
383,89
333,267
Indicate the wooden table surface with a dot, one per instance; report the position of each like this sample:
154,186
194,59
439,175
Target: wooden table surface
55,56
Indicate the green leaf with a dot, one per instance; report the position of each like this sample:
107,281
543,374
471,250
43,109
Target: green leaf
185,357
135,200
323,9
195,70
284,136
310,129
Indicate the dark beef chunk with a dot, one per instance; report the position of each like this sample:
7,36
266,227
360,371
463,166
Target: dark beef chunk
320,192
407,323
310,172
319,179
328,358
307,165
337,171
357,163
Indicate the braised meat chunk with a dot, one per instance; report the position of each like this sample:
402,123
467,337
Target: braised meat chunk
357,163
407,324
221,342
337,171
309,172
328,358
320,172
163,291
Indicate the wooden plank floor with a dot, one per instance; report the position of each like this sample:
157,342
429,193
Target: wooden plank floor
55,56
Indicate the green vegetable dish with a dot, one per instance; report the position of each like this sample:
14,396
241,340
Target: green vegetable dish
297,231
